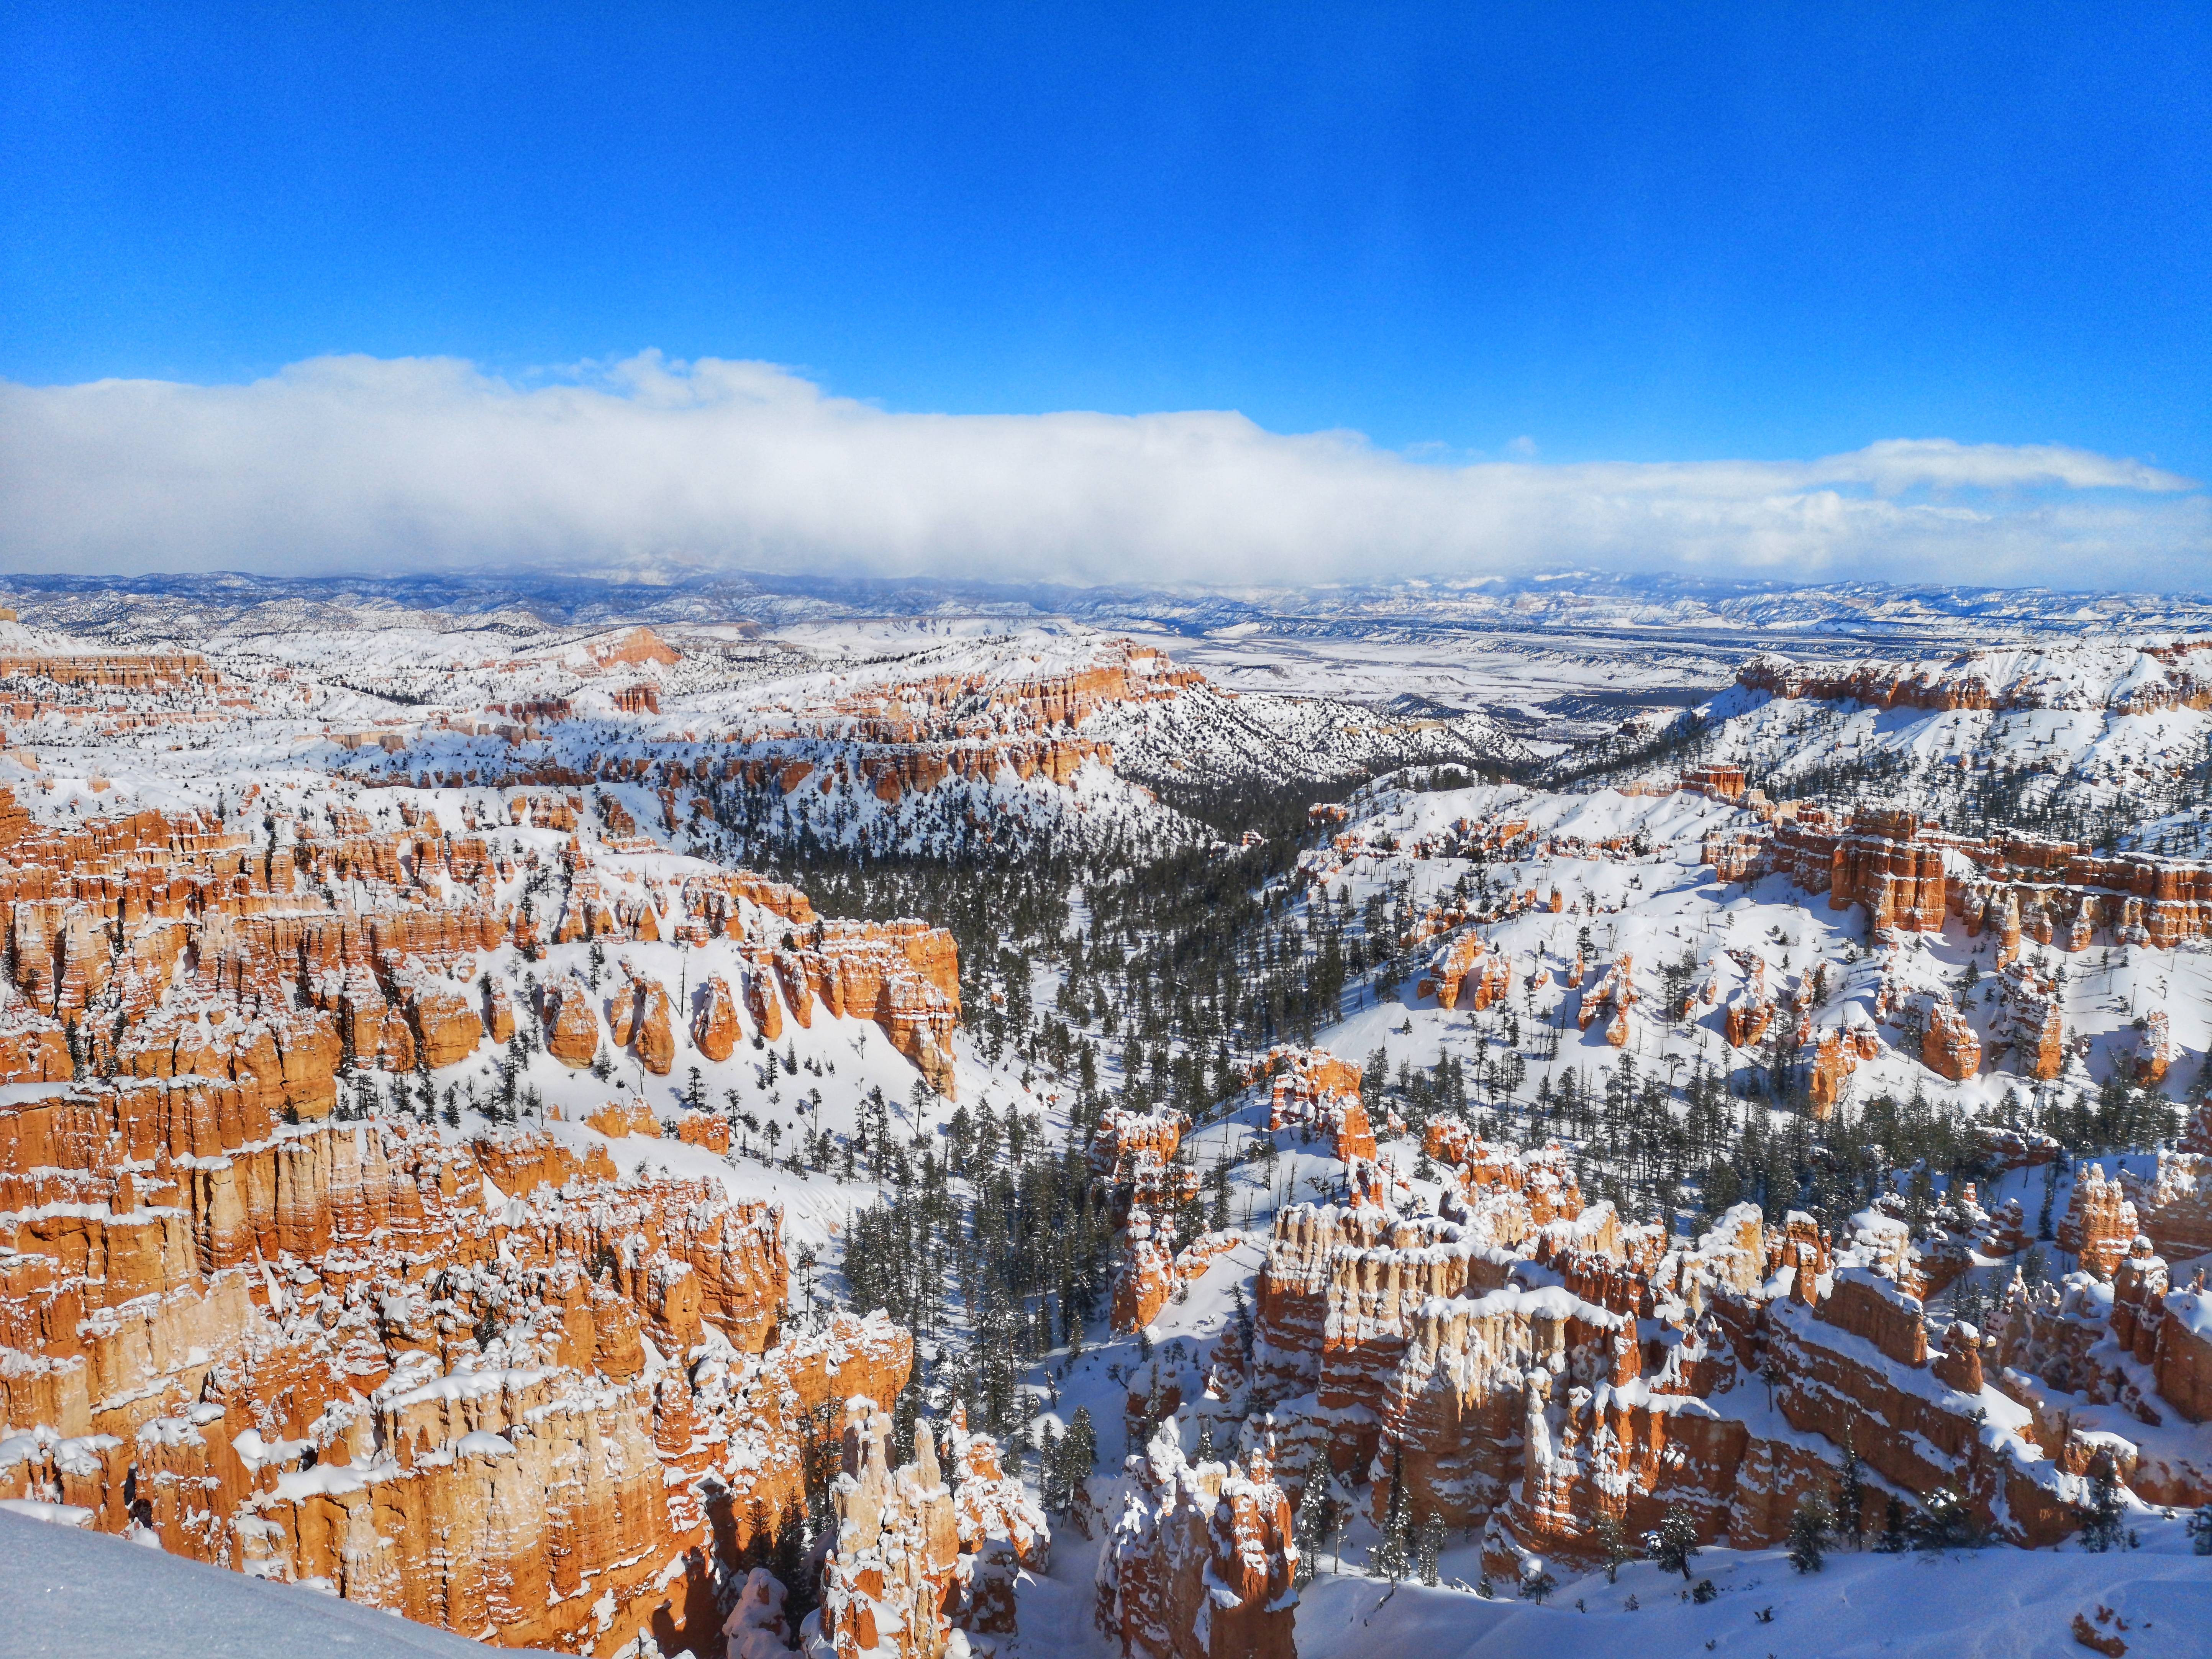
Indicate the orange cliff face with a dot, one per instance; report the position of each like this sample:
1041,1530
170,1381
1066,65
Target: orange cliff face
277,1334
1911,876
901,737
416,1368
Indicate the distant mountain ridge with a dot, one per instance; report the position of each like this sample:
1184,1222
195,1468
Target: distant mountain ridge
146,608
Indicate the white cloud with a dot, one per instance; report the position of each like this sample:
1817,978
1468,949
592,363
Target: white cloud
349,464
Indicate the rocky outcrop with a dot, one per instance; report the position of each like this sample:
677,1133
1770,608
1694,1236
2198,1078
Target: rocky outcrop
2155,1049
1002,1532
1467,970
1913,875
1610,996
1312,1090
2100,1223
1143,1272
901,974
571,1025
2173,1204
2126,679
2031,1020
1524,1362
1132,1161
484,1445
890,1568
1948,1047
715,1026
1201,1563
641,1019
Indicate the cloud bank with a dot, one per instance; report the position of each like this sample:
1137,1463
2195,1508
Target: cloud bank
358,464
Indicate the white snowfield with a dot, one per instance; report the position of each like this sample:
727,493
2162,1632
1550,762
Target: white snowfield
1965,1604
69,1593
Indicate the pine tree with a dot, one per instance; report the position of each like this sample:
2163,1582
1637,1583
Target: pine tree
1853,1490
1612,1540
1316,1514
1942,1522
791,1553
1675,1543
2200,1530
1081,1449
1430,1546
1892,1541
1537,1585
1808,1531
1052,1480
2100,1523
1393,1556
1203,1453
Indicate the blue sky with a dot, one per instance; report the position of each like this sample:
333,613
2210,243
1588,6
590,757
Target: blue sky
1644,234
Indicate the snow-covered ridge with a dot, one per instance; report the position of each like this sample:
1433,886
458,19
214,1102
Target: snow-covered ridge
2126,678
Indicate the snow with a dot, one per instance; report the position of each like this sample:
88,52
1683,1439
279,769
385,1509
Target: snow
1983,1604
69,1592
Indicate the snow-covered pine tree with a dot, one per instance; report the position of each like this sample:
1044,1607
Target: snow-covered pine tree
1675,1542
1431,1546
1310,1527
1081,1449
1808,1532
1892,1540
1392,1557
1613,1542
2101,1527
1852,1491
1943,1522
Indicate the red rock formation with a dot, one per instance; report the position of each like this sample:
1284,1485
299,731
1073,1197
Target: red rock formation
1201,1563
1834,1059
1540,1378
901,974
1002,1532
1949,1047
2155,1051
2173,1203
571,1025
641,1018
891,1568
116,671
1721,782
1615,990
1143,1275
1314,1088
1467,970
898,737
714,1027
1748,1009
2100,1223
1905,872
618,1118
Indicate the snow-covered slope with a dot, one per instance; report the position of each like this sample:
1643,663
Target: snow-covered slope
64,1593
1978,1604
2084,740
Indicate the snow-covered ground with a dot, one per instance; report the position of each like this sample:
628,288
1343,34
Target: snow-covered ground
69,1594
